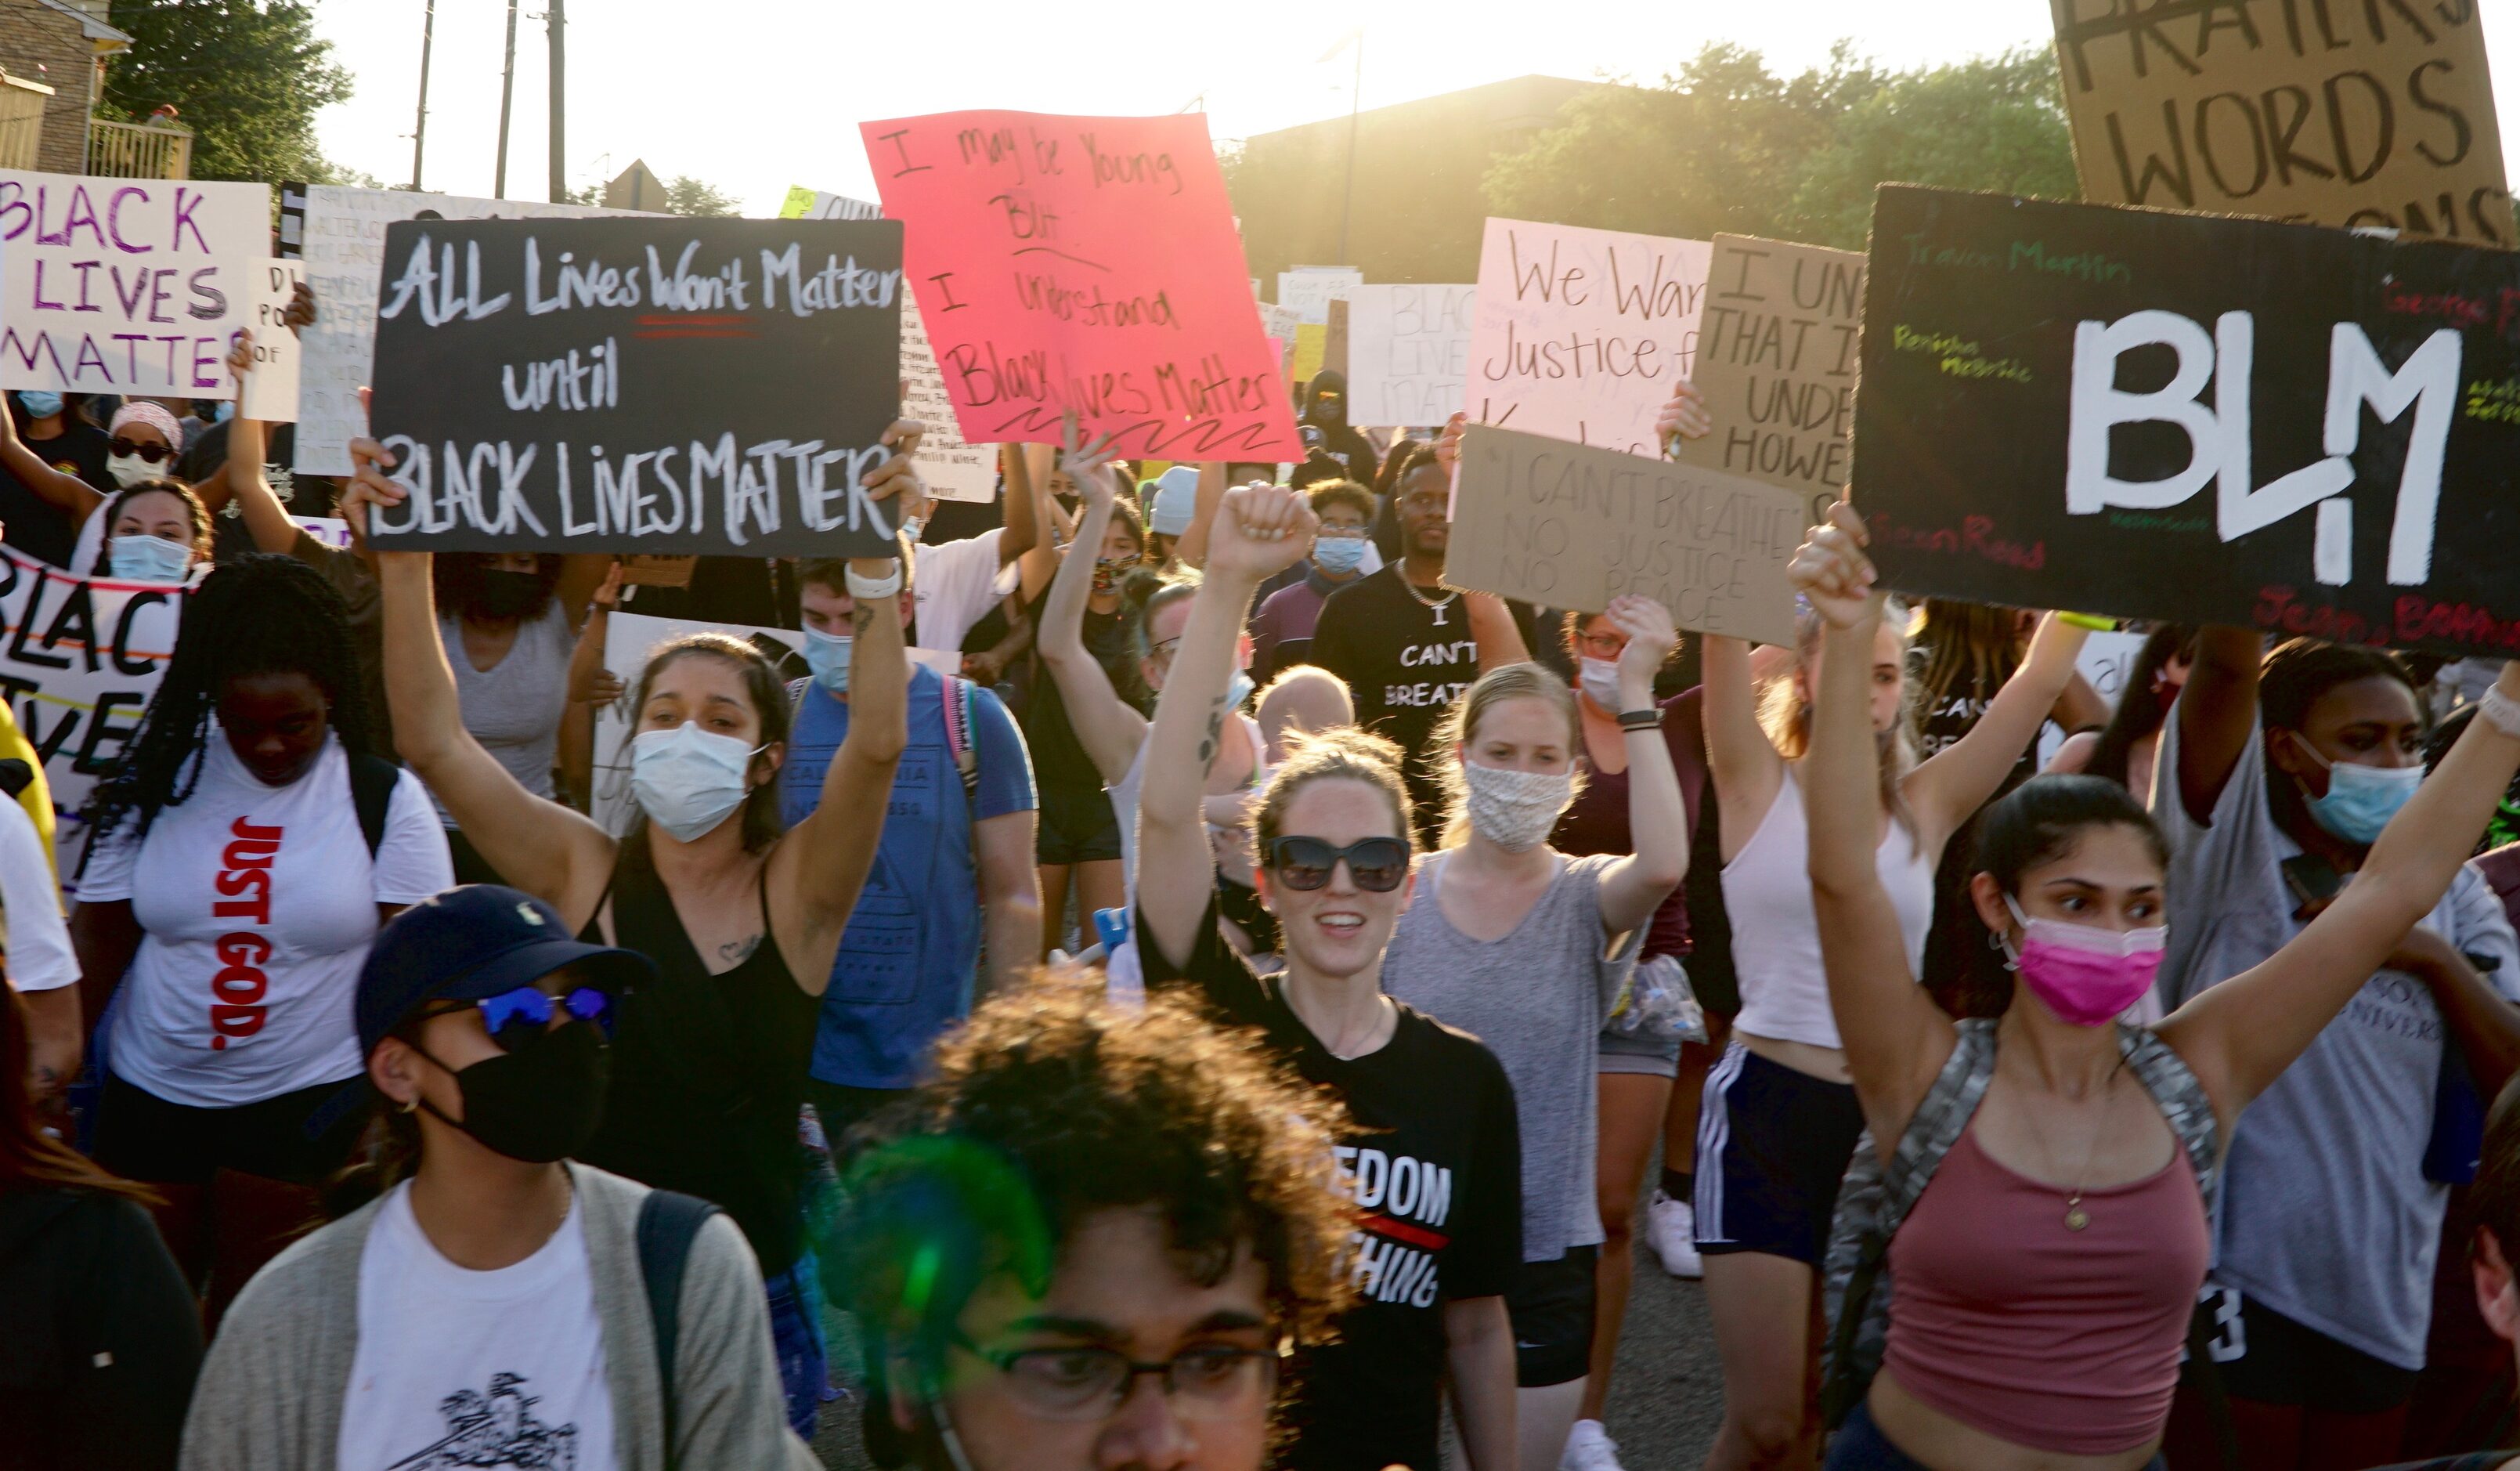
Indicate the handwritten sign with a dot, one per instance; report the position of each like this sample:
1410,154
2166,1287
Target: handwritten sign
1408,353
270,391
1084,264
702,387
1580,333
339,233
2332,114
814,203
951,468
1279,323
1570,525
1775,361
2193,418
1308,290
125,286
81,659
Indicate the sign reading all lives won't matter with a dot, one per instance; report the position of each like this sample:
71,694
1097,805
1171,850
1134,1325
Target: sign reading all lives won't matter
649,384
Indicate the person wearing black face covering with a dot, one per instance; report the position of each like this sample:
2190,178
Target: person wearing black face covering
1326,410
496,1301
506,613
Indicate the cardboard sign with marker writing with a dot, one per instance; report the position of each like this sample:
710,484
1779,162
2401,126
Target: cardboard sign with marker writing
1570,525
2189,418
269,392
675,387
1409,351
1776,362
2378,113
1580,333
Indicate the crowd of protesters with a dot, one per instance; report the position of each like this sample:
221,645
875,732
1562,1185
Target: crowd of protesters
1230,1017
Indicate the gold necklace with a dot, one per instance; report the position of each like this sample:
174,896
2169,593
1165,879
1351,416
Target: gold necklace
2076,1218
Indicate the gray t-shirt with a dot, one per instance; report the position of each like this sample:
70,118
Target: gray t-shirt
2326,1217
1538,999
514,707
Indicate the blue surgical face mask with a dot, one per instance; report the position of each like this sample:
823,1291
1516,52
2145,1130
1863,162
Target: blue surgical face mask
149,559
39,404
2360,800
1239,689
688,779
223,411
828,656
1338,554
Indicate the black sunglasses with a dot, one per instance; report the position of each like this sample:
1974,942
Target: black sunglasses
515,1018
1377,864
150,454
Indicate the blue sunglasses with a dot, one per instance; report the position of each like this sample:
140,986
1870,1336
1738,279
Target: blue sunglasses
515,1018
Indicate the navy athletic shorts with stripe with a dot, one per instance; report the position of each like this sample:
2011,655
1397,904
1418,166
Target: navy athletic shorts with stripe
1773,1145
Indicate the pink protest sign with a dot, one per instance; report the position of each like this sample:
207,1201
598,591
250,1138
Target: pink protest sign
1087,265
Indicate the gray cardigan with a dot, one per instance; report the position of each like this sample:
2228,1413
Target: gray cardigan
270,1394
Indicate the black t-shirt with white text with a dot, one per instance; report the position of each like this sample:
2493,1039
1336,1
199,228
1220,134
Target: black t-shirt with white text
1435,1167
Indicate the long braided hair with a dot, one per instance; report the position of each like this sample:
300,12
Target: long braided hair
258,615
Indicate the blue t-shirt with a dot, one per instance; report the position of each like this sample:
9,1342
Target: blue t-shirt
910,954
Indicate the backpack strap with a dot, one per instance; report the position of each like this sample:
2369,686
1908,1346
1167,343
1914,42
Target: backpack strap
372,788
668,1224
2182,1099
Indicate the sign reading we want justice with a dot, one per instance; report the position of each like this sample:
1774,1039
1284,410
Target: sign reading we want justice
649,385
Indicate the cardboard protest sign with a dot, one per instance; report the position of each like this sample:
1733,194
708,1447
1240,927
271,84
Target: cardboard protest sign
701,387
1776,362
81,659
1408,353
125,286
339,233
2197,419
2377,114
1085,264
628,638
1308,290
1280,324
270,391
1580,333
1570,525
814,204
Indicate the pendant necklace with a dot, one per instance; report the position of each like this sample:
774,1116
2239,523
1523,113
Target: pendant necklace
2076,1218
1435,605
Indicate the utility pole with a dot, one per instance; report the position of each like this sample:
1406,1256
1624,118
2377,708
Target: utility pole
556,23
1355,94
419,129
507,95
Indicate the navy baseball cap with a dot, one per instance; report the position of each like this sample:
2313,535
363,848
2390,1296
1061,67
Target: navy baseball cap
477,940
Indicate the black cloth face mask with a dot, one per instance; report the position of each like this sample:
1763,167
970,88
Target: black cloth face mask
537,1105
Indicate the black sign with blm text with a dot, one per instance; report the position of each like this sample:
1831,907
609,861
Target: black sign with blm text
675,387
2193,418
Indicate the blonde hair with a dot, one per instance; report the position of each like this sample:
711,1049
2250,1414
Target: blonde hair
1342,753
1785,714
1513,681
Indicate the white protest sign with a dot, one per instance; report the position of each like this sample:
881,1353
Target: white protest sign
1309,290
1408,353
80,660
1279,323
952,469
341,238
270,392
125,286
1580,333
628,639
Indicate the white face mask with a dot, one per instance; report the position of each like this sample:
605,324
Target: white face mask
688,779
1599,681
129,468
1515,809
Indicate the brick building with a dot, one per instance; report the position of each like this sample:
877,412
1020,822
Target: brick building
62,45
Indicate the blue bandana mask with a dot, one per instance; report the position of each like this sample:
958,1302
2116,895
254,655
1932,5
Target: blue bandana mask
2360,800
149,559
828,656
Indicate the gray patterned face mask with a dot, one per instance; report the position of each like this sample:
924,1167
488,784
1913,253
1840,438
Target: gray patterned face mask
1515,809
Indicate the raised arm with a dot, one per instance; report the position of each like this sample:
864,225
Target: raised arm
66,491
1021,516
1896,1039
1027,470
1739,758
1955,783
266,520
2217,711
1494,631
1260,531
2241,1035
1635,886
1106,726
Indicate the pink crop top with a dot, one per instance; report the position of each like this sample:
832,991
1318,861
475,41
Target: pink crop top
2060,1340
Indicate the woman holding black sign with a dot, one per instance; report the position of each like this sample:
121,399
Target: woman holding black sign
741,920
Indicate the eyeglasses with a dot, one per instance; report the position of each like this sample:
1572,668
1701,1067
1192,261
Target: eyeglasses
1342,533
1604,645
148,454
515,1018
1211,1383
1425,500
1377,864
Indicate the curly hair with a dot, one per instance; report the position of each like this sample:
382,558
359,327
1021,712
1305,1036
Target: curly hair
1049,1105
263,613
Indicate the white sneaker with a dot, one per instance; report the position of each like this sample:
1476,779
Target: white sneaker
1588,1448
1671,1229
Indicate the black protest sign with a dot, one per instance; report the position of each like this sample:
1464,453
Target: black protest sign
672,386
2193,418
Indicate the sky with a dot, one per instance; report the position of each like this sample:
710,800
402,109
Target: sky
757,95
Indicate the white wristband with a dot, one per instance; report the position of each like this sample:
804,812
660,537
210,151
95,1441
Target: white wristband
864,589
2503,710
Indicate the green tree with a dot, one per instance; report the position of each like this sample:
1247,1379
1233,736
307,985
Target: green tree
247,77
685,195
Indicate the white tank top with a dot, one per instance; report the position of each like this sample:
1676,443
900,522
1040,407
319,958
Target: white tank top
1775,932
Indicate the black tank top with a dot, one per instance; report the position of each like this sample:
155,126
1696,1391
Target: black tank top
708,1072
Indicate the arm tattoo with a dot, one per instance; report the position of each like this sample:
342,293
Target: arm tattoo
861,618
1215,731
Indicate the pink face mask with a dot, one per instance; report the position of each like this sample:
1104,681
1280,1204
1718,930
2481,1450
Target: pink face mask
2086,974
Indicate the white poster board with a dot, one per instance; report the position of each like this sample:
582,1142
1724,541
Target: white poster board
1408,353
133,287
270,392
1580,333
952,469
1309,290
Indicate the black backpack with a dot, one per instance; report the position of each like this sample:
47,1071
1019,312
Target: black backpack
668,1223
